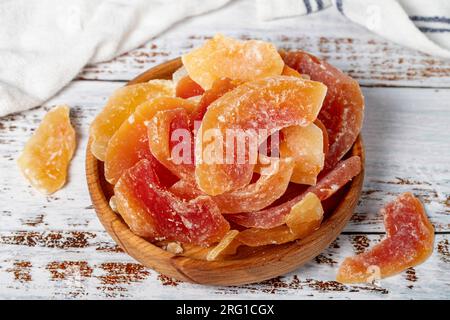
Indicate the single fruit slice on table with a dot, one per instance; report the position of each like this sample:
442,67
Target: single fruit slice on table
223,57
253,110
325,188
130,143
305,146
47,154
343,108
171,142
304,218
409,242
152,211
119,107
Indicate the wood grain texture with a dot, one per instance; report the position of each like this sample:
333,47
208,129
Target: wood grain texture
55,247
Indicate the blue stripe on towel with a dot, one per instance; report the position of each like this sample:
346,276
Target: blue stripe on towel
308,6
440,30
319,4
339,6
430,19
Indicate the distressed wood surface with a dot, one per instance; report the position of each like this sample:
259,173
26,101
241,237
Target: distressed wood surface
54,246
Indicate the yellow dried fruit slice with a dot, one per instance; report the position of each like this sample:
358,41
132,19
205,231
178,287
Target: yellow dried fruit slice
46,156
119,107
224,57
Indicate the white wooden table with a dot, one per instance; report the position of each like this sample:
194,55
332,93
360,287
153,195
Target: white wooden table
54,247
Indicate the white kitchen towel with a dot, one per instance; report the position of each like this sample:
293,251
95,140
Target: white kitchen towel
423,25
44,44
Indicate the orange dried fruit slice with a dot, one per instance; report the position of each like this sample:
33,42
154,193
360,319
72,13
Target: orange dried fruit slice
409,242
130,143
152,211
304,218
271,104
305,146
186,88
326,143
269,187
45,159
171,142
343,109
326,186
226,246
224,57
119,107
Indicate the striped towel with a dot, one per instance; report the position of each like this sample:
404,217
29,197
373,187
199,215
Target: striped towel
423,25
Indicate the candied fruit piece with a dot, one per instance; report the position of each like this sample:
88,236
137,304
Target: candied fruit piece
343,109
226,246
130,143
325,188
47,154
269,187
152,211
161,132
223,57
119,107
304,218
326,143
269,104
409,242
305,146
186,88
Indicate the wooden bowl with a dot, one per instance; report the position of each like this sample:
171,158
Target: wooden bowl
252,265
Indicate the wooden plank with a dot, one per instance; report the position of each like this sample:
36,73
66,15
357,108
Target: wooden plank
403,130
95,271
363,55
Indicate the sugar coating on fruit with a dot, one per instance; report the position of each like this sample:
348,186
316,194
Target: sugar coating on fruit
271,104
119,107
224,57
343,109
131,143
409,242
149,208
305,146
45,159
327,185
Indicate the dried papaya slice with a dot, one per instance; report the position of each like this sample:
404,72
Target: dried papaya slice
272,104
130,143
47,154
224,57
186,88
325,188
326,143
409,242
226,246
305,146
343,108
163,215
119,107
171,142
304,218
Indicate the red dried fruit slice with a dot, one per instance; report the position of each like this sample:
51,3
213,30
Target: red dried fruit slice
119,107
47,154
171,142
304,218
223,57
186,88
152,211
409,242
130,143
305,146
343,108
325,188
269,187
269,104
